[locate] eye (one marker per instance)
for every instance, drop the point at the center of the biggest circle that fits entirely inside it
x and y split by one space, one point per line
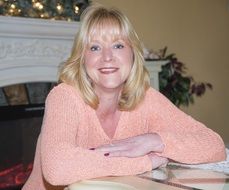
118 46
94 48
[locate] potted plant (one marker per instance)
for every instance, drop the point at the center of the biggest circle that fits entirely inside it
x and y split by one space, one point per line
174 82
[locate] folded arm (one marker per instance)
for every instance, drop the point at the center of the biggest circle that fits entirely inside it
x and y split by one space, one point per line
63 162
186 140
145 144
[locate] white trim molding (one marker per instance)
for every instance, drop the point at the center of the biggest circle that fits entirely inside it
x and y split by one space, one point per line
31 50
154 67
37 28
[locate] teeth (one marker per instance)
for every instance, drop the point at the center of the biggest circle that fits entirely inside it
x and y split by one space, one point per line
107 69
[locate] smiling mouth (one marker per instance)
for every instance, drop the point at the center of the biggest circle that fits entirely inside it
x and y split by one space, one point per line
108 70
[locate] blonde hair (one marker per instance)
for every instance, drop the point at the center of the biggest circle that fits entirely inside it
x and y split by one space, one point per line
73 72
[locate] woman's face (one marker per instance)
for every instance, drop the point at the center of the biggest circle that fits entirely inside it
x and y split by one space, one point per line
108 62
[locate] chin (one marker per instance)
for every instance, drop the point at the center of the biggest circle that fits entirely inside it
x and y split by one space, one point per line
112 86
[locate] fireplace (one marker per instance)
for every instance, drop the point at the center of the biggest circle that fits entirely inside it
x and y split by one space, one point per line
21 111
31 50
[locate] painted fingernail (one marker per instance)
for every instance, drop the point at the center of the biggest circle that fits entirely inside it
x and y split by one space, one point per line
91 148
106 154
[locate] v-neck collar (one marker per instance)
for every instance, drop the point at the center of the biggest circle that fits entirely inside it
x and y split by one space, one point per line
101 128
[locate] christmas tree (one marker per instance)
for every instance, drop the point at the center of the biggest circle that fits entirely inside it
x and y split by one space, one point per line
48 9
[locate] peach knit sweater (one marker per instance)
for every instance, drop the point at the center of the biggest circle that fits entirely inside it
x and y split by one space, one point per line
70 127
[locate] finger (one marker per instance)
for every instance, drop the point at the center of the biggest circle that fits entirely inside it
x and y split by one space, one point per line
116 145
110 148
123 141
122 153
159 161
130 153
164 164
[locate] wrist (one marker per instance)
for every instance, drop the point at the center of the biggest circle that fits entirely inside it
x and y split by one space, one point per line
157 144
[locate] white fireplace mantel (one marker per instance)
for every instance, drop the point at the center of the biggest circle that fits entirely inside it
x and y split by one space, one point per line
31 50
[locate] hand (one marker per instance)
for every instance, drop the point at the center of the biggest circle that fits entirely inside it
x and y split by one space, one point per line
134 146
158 161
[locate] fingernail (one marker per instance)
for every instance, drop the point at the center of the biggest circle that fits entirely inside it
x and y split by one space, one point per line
106 154
91 148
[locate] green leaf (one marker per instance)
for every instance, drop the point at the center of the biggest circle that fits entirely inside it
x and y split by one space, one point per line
176 85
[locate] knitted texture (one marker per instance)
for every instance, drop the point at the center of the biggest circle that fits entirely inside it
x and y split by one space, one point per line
70 127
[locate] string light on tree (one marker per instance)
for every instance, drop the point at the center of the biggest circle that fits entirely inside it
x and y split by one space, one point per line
76 9
12 6
38 5
59 8
69 10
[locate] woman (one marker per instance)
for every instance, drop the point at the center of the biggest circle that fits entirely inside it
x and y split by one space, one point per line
103 119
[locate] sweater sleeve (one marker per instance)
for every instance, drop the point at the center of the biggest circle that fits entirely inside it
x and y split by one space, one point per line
62 161
186 140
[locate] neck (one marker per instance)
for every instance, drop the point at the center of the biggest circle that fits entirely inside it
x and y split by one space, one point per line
108 102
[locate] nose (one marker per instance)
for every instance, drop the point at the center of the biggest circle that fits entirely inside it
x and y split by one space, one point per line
107 54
